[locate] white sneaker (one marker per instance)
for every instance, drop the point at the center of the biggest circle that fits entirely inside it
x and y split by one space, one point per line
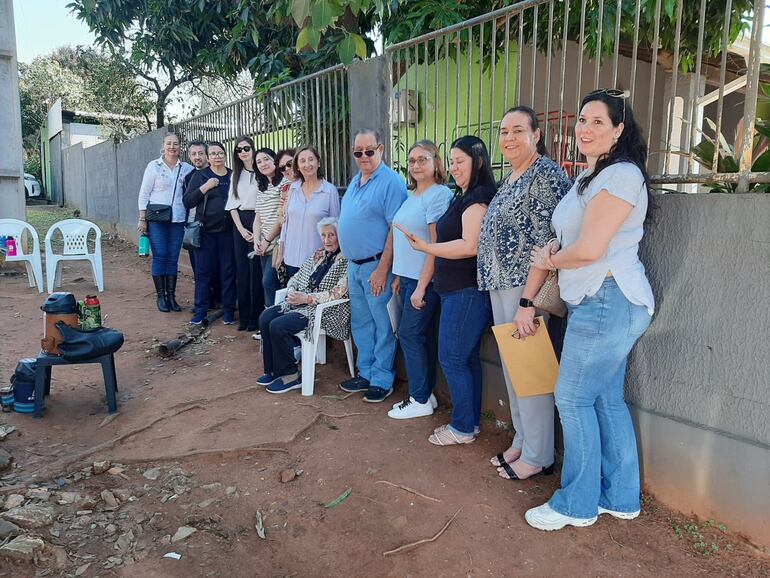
620 515
410 408
546 518
431 399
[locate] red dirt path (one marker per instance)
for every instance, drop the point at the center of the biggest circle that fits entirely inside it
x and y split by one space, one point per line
221 444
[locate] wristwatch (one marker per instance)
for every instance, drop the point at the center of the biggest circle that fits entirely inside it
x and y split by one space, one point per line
526 302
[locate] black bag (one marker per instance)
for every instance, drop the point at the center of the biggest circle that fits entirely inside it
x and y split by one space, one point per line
84 345
192 231
158 213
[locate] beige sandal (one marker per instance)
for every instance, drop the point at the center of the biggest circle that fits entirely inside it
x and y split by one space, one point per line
446 437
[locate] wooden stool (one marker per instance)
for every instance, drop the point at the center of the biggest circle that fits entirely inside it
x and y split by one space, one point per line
43 378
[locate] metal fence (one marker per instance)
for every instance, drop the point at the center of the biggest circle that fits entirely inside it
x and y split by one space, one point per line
310 110
549 53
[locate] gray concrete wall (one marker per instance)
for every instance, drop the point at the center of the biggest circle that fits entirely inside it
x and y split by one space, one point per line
57 170
102 182
11 162
369 88
73 159
133 157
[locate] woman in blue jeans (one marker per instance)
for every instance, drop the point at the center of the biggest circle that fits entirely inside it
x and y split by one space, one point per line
465 311
599 224
163 186
427 202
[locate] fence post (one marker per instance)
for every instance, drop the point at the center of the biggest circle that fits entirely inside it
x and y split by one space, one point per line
746 145
369 89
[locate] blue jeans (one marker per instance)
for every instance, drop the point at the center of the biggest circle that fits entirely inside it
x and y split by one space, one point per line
214 263
270 282
601 466
465 316
418 341
370 325
165 243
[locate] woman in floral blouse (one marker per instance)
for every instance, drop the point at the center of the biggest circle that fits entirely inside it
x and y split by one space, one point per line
322 278
518 219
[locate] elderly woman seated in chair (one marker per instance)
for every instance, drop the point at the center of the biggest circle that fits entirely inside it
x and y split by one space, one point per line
322 278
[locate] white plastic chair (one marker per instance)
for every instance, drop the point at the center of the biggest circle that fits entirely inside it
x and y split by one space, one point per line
75 233
315 351
16 229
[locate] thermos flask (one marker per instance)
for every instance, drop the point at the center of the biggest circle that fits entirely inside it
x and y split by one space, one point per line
144 246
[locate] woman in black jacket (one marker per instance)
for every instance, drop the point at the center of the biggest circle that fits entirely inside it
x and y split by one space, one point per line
207 194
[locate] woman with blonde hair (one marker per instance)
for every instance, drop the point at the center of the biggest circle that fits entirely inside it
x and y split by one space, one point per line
428 200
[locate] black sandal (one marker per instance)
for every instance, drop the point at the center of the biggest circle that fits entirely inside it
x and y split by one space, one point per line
547 471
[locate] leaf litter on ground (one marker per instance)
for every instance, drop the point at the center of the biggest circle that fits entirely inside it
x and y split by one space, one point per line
339 499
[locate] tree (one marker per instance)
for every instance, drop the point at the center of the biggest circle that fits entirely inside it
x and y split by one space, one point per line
84 79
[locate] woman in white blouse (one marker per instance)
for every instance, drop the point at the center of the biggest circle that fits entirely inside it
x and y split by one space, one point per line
599 225
241 203
161 218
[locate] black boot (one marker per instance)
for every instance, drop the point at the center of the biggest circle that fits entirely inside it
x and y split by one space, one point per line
160 289
171 293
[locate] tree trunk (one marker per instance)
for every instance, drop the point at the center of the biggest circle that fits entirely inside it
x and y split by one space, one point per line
160 111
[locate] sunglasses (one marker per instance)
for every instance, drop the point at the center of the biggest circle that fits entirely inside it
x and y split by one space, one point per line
288 165
517 335
614 93
246 149
367 152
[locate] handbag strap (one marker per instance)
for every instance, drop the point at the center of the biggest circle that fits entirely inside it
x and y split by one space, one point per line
203 212
176 182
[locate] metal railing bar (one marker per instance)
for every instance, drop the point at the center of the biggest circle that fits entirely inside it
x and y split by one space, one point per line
635 51
653 69
616 55
674 85
722 72
549 60
599 34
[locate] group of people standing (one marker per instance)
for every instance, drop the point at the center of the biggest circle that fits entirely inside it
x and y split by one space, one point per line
460 261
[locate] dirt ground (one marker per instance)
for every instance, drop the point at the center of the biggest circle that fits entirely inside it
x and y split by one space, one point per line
197 444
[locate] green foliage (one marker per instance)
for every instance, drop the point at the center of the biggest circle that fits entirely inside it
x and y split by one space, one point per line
706 539
85 79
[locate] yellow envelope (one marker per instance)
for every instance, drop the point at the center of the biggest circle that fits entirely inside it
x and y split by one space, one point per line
531 362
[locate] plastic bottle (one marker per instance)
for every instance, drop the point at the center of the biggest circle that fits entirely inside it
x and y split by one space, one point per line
144 246
10 247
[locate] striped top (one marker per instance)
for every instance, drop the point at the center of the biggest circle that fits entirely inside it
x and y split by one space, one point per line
266 205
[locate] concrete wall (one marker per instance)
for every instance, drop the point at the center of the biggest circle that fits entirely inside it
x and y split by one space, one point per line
73 160
56 193
370 88
11 162
103 180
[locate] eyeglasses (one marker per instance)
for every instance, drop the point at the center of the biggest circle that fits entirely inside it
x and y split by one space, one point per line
288 165
614 93
419 160
246 149
367 152
517 335
217 154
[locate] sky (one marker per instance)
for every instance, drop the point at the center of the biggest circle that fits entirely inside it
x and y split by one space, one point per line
43 25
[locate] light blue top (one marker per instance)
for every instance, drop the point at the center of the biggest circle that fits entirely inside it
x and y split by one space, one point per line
624 181
159 183
367 212
417 212
299 233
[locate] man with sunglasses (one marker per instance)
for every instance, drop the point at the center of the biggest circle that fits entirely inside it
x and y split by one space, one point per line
368 207
197 155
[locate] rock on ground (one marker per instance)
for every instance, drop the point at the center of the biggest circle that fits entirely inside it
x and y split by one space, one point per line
13 501
23 548
5 460
8 530
30 516
183 533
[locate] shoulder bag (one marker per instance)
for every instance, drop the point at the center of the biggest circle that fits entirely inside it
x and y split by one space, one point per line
159 213
192 231
548 298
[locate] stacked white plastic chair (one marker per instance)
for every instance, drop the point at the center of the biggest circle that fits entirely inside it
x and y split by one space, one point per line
75 237
16 229
315 350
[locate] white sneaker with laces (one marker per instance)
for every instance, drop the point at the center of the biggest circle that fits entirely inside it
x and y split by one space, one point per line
620 515
431 399
410 408
546 518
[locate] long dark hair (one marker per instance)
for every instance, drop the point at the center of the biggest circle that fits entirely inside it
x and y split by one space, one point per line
534 125
630 146
481 172
238 163
262 181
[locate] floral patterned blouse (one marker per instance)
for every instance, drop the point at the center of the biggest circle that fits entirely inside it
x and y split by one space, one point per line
518 218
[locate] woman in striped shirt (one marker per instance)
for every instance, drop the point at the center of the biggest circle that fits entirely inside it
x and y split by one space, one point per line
267 225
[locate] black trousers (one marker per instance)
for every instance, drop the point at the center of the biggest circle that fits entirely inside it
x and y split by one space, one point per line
251 297
278 330
214 263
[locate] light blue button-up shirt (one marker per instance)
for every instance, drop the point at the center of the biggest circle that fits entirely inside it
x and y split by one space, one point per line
367 212
158 186
299 233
